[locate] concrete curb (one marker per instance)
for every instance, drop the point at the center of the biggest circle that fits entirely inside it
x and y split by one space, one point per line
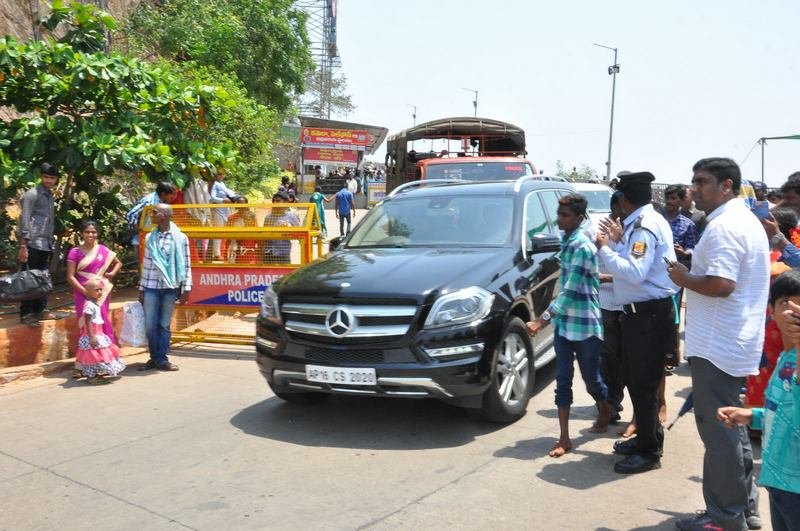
35 370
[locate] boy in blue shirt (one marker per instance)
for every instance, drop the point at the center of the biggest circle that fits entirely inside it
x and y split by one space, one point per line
780 416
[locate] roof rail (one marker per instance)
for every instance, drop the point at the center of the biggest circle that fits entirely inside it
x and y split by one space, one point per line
518 183
422 182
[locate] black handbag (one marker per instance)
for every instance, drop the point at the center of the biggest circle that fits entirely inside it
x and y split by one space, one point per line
25 285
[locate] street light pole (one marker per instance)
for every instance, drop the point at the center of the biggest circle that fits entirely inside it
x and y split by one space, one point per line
414 114
613 70
414 119
475 101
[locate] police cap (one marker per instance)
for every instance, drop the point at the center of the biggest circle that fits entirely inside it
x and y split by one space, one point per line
635 186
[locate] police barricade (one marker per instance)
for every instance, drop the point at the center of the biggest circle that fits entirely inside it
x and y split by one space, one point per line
237 251
376 191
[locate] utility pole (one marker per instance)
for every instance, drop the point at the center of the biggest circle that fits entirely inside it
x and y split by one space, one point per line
414 119
613 70
474 102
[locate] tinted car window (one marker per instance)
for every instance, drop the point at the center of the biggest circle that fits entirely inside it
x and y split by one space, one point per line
535 218
550 201
440 220
599 200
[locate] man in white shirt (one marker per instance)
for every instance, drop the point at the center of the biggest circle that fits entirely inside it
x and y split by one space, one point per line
726 300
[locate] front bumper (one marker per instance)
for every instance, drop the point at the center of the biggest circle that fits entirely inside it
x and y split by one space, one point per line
403 368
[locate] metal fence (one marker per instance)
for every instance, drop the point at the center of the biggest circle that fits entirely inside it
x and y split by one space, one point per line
237 251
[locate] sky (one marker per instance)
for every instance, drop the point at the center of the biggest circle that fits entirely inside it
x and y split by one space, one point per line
697 78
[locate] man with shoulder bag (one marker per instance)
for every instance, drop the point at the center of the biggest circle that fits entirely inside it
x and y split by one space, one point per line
35 237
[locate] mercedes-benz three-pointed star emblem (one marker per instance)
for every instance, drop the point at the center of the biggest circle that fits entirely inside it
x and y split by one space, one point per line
339 321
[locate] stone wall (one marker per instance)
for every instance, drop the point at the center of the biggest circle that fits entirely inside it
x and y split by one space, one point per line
17 16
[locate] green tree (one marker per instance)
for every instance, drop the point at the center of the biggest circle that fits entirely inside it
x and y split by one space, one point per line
326 95
264 43
242 122
95 114
584 173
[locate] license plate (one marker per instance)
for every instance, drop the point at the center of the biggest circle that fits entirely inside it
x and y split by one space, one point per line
340 375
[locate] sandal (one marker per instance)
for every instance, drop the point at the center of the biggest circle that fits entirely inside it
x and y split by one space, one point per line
31 320
47 315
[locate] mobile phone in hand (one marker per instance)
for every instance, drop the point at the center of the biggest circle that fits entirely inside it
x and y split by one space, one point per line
666 261
761 209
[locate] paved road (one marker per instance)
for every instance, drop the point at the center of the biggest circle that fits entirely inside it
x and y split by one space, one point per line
209 447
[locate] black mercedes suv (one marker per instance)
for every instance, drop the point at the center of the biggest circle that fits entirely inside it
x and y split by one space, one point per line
427 297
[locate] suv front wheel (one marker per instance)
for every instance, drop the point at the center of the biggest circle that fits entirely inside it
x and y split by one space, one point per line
512 376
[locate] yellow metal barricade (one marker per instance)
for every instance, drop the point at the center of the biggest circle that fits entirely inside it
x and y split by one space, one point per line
237 251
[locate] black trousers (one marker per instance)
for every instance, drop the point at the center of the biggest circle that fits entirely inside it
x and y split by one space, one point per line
342 218
37 259
645 340
611 367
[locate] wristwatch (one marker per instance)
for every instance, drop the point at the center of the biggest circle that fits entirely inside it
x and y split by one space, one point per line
778 239
545 316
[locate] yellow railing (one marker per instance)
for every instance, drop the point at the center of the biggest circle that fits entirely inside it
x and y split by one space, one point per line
237 251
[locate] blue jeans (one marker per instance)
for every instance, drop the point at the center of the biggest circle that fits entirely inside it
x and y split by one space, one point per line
158 307
784 509
587 352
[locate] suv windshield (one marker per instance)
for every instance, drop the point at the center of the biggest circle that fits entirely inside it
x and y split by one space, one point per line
599 200
453 220
479 171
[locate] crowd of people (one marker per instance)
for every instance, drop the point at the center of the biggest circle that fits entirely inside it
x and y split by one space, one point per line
718 244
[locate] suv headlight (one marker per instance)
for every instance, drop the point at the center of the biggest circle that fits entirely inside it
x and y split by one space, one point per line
269 306
462 306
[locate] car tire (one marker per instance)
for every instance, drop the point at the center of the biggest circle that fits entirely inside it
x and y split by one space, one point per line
298 398
512 376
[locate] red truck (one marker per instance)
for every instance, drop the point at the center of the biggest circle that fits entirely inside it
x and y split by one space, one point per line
478 149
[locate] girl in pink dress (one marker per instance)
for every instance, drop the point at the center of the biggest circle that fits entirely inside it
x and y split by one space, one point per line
97 356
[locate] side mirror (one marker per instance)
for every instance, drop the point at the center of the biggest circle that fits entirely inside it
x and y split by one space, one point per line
334 243
545 243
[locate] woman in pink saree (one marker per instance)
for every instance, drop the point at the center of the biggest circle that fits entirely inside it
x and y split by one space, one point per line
91 260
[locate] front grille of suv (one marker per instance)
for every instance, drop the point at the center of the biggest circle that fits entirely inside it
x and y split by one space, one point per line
347 320
326 355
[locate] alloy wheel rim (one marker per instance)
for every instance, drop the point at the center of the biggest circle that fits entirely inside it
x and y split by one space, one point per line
513 370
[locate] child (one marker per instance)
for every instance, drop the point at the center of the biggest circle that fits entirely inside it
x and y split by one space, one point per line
97 357
575 312
780 416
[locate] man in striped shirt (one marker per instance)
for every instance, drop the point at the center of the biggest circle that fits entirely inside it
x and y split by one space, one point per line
578 322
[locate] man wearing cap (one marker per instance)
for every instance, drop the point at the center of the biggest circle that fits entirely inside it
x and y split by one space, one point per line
633 253
726 295
760 189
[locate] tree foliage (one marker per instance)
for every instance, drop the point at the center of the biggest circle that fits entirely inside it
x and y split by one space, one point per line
584 173
326 95
95 113
264 43
242 122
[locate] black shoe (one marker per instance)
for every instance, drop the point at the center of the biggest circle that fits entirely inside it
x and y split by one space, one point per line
626 447
150 365
634 464
700 522
167 366
615 417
